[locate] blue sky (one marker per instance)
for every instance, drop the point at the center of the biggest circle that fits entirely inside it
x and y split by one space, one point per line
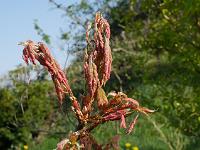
16 24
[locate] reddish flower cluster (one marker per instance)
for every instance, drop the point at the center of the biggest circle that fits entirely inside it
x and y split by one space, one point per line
40 52
97 68
120 106
98 60
102 41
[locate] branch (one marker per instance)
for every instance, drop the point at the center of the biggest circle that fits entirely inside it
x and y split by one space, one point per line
165 139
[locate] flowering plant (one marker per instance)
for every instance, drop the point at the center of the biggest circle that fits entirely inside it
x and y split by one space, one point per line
96 106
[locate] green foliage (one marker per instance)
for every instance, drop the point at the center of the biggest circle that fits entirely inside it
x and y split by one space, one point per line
47 144
25 107
45 37
156 60
165 56
156 57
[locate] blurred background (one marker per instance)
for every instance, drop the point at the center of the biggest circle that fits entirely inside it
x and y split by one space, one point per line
156 60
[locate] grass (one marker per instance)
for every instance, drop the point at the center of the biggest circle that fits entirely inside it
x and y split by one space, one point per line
144 137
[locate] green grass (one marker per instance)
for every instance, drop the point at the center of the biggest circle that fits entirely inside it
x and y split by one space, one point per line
48 144
144 136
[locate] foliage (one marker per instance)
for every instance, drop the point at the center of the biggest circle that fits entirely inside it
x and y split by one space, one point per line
29 111
24 106
163 53
160 55
155 59
160 65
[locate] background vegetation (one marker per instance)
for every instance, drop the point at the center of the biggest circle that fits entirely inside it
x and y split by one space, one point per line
156 59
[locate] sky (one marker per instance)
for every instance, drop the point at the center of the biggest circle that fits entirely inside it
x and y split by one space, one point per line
17 24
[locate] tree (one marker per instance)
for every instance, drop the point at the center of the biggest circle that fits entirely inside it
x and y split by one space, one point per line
25 107
159 42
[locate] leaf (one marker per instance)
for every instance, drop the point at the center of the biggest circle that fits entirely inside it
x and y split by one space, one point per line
101 97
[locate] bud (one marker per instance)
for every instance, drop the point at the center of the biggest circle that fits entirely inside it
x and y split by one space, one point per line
91 74
101 98
132 124
123 122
